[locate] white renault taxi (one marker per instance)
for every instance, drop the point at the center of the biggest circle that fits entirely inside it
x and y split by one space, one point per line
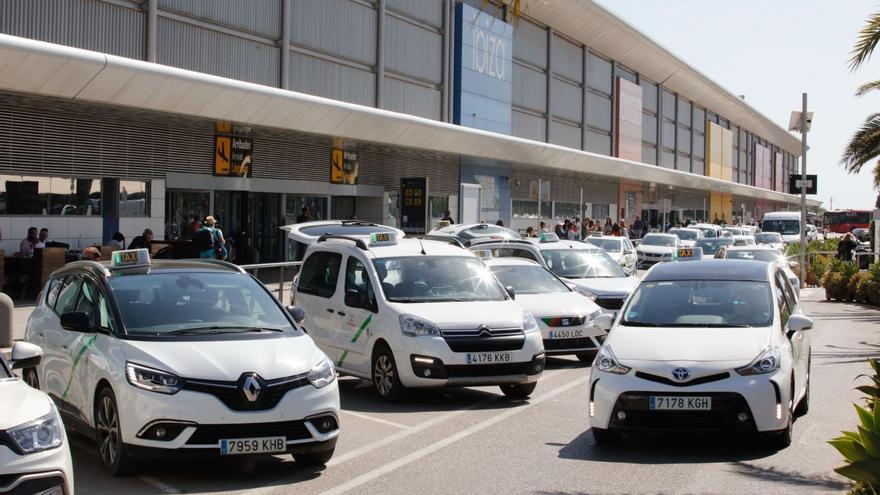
188 358
717 346
565 317
416 313
589 270
34 452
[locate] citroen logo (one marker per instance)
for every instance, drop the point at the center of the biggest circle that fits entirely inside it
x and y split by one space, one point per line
484 331
251 388
680 374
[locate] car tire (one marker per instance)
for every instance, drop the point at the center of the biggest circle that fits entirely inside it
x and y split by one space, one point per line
586 357
314 459
780 440
30 376
803 406
605 437
519 391
108 435
385 377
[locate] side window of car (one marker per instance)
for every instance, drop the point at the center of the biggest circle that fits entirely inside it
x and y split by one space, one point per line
358 289
67 296
93 303
55 285
319 274
781 302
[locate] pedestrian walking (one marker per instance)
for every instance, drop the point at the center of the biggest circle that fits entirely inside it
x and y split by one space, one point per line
209 240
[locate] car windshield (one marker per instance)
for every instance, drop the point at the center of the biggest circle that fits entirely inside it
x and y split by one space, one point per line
428 279
480 231
606 244
658 240
700 303
785 227
755 255
581 263
710 246
709 231
768 238
734 230
182 303
529 279
686 235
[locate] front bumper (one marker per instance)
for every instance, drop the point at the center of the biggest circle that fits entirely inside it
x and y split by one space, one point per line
763 398
36 473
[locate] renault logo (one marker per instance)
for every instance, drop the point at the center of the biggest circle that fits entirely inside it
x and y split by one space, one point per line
251 388
484 331
680 374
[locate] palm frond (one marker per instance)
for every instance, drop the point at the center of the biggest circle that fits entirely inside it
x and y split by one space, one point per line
869 36
868 87
864 146
877 177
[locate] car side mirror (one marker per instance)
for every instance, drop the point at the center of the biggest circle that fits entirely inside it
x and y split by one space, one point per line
627 251
603 322
798 323
25 355
297 313
76 321
510 291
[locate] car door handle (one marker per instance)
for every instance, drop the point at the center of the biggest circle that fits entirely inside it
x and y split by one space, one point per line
330 310
341 313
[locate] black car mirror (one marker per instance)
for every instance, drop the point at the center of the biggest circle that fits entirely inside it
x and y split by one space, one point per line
353 299
297 313
76 321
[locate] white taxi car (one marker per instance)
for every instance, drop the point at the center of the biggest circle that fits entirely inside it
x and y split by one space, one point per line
468 233
620 249
304 234
188 358
687 236
763 253
34 452
416 313
589 270
656 248
565 317
717 346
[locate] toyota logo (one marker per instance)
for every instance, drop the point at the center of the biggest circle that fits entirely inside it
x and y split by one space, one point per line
680 374
251 388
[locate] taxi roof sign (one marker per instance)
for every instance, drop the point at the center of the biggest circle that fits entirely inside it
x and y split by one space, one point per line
383 238
549 237
131 258
688 254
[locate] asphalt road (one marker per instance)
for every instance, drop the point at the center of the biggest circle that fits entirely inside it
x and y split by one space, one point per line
476 441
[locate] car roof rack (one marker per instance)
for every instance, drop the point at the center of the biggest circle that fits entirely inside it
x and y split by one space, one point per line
357 242
442 238
359 222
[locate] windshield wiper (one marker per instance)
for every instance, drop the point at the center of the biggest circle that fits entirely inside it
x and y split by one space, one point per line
705 325
218 329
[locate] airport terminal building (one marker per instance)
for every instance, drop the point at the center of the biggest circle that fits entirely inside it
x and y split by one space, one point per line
117 115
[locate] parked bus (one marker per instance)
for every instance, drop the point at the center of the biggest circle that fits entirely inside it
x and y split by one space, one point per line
843 221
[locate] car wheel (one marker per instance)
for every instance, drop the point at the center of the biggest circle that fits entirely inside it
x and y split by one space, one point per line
586 357
605 437
779 440
803 407
519 391
386 380
30 377
108 434
314 458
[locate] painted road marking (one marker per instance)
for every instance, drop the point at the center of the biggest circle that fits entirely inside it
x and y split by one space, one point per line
378 420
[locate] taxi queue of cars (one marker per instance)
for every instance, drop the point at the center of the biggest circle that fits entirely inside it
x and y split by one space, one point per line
133 348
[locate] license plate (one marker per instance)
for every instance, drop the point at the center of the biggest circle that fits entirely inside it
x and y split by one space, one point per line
664 403
566 334
488 357
262 445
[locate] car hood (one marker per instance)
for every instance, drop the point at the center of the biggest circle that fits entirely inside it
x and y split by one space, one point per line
631 344
552 305
462 315
19 403
607 286
656 249
270 357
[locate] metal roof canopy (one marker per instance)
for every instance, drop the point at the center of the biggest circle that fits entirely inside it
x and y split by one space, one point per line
53 70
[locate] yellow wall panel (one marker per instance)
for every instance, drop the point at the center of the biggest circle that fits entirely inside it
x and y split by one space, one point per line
726 154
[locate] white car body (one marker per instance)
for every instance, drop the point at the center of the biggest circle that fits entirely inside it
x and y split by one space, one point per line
302 235
454 340
44 467
228 387
777 244
702 366
565 317
620 249
695 234
709 229
744 240
651 254
791 218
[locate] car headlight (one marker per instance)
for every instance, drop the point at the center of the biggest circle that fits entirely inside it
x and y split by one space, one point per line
322 374
413 326
607 362
766 362
40 434
152 379
584 292
529 323
592 316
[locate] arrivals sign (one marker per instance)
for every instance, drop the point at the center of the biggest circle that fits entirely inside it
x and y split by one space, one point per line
233 151
343 166
414 205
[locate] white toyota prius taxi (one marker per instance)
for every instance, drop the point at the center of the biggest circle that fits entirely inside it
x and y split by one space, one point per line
416 313
189 358
34 452
708 346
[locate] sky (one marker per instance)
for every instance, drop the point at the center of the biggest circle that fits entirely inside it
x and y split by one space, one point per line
776 50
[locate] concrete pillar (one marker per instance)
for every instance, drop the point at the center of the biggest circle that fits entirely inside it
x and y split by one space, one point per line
6 315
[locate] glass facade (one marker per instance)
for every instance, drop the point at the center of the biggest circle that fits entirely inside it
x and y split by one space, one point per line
28 195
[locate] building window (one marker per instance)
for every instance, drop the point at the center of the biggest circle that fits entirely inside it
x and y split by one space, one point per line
437 205
568 211
317 206
134 198
524 208
22 195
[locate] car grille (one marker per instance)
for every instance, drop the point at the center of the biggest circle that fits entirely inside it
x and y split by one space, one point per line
610 302
232 394
484 339
696 381
211 434
476 370
564 321
722 417
563 344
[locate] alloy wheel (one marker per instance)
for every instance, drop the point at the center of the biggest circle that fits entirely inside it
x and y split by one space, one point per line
108 431
383 375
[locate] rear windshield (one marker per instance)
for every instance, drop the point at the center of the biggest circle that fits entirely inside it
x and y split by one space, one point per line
768 238
606 244
710 246
700 303
686 235
658 240
756 255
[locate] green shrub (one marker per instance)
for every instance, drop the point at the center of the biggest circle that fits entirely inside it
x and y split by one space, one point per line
861 449
837 280
816 269
873 284
858 286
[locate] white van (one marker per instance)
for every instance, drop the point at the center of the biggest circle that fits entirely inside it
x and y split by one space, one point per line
416 313
786 223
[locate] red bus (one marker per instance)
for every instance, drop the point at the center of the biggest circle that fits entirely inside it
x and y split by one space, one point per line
843 221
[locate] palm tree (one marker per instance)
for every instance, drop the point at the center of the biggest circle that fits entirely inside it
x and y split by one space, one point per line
865 143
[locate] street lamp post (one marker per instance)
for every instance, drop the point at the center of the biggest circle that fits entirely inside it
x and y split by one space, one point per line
801 122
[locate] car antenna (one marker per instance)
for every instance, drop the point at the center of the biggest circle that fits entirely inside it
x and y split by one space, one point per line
422 246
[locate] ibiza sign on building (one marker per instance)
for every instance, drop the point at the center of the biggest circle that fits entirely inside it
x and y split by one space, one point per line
483 70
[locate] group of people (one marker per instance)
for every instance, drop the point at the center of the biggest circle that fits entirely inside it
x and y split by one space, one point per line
34 240
578 229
